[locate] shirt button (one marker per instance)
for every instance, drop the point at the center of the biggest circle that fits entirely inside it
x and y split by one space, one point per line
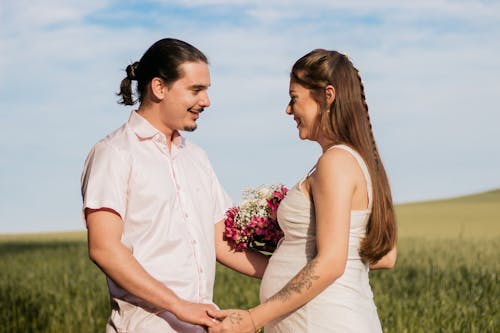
186 215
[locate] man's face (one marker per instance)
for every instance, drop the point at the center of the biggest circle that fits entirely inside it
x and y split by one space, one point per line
187 97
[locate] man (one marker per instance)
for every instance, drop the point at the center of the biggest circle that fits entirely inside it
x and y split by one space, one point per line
151 201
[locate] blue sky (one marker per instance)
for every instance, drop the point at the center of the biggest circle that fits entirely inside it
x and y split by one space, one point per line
431 72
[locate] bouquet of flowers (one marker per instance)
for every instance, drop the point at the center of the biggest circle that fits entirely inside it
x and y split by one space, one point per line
253 224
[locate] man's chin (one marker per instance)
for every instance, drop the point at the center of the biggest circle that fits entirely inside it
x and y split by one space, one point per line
190 128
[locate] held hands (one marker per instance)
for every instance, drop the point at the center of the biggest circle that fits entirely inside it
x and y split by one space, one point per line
195 313
232 321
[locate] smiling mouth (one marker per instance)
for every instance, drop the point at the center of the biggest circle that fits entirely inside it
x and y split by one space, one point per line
195 111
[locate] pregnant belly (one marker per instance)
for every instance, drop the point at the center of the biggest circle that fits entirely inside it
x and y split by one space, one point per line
279 271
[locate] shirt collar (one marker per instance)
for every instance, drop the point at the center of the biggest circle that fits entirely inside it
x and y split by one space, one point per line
145 131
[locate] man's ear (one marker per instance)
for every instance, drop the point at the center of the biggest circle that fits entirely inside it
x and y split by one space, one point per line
330 94
158 88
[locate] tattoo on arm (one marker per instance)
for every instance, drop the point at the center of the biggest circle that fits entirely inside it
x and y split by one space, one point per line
301 281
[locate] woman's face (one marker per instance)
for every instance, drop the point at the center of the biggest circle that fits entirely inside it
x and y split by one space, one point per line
305 111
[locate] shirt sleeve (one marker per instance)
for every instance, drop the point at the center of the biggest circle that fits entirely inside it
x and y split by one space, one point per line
104 180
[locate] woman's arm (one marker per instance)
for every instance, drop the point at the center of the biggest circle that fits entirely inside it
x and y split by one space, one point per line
250 263
332 186
387 261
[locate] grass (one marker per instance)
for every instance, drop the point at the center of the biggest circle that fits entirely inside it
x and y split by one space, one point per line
50 287
469 217
44 237
446 278
440 286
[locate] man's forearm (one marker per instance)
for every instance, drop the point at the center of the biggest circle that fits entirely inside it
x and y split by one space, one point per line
121 266
249 263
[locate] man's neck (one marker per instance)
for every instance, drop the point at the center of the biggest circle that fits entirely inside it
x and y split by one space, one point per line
152 117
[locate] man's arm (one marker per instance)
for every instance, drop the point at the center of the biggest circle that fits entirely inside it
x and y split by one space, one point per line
250 263
116 261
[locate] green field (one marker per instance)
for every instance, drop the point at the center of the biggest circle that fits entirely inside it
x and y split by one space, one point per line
446 278
469 217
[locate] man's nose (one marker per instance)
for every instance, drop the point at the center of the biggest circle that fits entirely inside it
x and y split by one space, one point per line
205 100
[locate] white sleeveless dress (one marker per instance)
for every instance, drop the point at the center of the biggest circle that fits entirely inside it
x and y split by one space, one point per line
344 306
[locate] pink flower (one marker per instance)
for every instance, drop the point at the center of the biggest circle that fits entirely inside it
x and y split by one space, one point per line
247 229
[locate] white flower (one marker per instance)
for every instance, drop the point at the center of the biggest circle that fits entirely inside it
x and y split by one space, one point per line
265 192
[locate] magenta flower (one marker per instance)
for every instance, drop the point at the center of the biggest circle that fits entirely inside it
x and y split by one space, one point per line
253 225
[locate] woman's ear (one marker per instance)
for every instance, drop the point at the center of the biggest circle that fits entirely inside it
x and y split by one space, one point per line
330 94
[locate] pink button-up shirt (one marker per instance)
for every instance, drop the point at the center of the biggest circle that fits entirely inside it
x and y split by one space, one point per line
169 202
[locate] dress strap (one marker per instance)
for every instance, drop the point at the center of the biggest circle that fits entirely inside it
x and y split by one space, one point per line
311 171
307 175
363 167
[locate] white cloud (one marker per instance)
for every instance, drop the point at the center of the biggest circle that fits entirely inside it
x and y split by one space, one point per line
471 10
21 15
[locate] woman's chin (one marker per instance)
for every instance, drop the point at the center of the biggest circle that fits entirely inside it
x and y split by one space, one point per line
302 134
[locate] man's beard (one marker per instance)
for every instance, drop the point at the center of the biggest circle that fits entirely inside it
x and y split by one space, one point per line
190 128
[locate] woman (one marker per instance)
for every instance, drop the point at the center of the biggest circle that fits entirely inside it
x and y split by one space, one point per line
338 220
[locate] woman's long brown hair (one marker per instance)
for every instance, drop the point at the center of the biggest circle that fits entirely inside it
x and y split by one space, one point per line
348 122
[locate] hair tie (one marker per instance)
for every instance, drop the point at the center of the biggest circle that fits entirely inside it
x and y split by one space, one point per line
131 71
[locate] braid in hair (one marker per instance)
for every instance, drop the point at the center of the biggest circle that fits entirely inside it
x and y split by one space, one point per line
363 98
381 227
126 85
